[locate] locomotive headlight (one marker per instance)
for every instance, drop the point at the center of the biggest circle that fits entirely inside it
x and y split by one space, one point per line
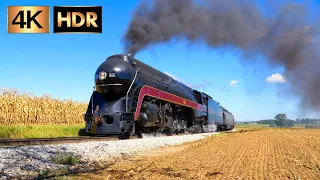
102 75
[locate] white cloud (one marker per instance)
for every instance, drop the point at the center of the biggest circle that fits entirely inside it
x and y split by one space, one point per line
234 83
276 78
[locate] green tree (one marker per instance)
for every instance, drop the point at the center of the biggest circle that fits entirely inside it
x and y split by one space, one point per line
290 123
271 123
281 120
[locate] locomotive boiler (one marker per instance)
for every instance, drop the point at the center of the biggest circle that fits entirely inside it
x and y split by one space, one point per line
130 97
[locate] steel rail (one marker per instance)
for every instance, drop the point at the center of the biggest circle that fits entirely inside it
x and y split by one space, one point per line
62 140
59 140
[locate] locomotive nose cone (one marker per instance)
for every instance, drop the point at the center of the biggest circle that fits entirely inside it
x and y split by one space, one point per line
113 77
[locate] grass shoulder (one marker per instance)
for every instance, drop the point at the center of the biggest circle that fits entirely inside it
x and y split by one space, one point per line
39 131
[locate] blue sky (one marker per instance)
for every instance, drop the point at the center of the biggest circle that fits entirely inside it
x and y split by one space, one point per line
63 65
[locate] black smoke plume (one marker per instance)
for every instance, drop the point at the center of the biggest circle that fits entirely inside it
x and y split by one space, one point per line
283 33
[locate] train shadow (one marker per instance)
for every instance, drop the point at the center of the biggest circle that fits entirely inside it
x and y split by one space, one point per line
82 132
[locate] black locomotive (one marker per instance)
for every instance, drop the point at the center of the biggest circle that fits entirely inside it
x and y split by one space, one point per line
131 97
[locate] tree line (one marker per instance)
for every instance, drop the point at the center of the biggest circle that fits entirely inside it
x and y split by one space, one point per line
281 120
298 121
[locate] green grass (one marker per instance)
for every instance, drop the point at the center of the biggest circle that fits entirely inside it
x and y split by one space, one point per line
299 125
313 126
252 126
66 159
40 131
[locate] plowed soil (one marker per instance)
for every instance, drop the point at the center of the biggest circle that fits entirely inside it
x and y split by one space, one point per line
258 154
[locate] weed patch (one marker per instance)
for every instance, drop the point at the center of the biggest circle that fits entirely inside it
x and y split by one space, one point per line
66 159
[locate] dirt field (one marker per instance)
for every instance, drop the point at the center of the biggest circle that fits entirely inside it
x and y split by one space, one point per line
258 154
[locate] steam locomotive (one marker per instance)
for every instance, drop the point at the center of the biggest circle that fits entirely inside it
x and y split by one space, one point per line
131 98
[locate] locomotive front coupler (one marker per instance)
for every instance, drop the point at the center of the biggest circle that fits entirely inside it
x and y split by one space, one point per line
112 124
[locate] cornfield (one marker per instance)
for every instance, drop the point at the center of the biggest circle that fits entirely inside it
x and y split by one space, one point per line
28 109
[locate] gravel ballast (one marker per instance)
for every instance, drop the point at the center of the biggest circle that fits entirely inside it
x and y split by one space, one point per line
33 161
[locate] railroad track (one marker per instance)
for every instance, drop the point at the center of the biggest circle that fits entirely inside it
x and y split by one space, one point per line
43 141
61 140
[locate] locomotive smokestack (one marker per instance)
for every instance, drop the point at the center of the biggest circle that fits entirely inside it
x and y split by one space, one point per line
285 36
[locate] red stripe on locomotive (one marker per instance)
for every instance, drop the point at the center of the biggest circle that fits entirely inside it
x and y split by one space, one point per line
156 93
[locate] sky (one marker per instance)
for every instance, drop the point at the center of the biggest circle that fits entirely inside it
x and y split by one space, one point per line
63 65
